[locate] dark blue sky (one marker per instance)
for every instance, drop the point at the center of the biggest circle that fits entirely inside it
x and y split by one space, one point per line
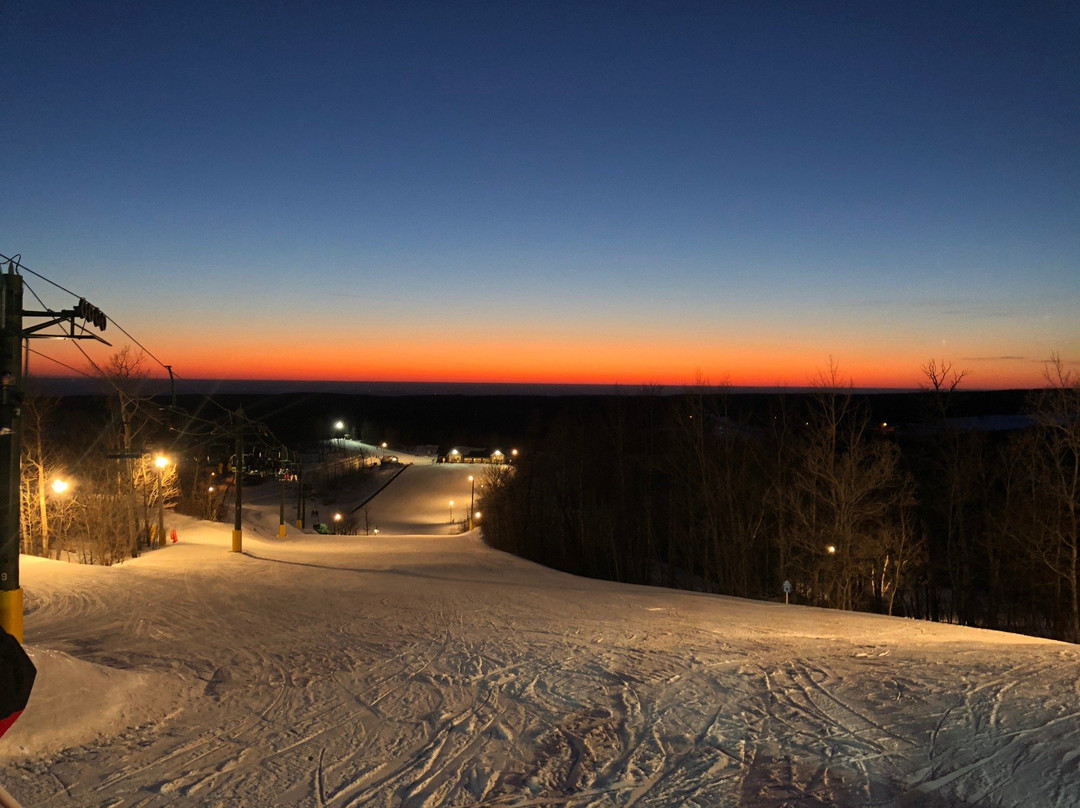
632 191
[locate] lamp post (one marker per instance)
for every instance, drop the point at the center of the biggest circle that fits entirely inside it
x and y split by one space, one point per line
337 523
60 487
161 462
451 511
472 499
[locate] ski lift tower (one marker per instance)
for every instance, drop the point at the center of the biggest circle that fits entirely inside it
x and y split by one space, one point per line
12 335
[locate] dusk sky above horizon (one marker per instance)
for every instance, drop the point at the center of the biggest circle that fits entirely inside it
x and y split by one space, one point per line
552 192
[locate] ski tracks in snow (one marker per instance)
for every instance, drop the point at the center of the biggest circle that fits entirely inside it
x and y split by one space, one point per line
504 691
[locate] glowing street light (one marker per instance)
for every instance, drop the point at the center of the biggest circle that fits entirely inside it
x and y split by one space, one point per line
161 462
451 510
60 488
472 499
831 549
337 522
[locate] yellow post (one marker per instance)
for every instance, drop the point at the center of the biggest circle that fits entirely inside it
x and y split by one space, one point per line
11 612
281 531
238 541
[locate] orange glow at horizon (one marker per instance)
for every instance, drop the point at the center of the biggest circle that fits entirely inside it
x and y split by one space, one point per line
630 363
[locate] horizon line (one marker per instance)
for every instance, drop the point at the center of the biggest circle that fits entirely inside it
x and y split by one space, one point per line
74 385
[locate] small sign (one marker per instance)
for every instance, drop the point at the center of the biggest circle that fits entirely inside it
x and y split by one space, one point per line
787 587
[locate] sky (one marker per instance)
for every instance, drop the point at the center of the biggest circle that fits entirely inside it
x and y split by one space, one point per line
551 192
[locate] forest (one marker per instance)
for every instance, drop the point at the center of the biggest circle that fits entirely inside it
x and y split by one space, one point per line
925 512
939 518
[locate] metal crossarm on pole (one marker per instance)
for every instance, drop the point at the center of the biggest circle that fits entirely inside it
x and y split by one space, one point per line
12 334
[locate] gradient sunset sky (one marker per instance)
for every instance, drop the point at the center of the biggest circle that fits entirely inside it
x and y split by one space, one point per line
573 192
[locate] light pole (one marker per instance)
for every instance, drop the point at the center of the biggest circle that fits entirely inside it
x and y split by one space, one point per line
472 500
451 511
60 488
161 462
337 523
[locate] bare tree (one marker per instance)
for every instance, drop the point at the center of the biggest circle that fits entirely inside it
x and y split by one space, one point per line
41 464
124 375
942 381
901 547
1056 410
843 495
954 490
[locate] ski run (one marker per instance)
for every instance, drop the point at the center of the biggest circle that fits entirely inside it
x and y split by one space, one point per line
418 667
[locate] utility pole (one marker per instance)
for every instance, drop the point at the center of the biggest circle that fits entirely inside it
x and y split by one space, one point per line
472 500
127 456
172 386
281 514
11 336
299 492
238 474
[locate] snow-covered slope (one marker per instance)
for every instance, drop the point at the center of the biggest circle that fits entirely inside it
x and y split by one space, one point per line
430 670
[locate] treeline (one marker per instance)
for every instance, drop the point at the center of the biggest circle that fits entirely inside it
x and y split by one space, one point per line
91 488
930 519
99 473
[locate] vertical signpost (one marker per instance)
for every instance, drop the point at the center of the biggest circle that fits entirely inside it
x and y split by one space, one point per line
11 596
281 514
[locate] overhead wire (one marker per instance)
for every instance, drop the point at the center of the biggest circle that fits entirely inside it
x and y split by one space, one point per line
244 419
53 359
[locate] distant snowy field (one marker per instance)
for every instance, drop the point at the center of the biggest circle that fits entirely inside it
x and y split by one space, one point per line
420 668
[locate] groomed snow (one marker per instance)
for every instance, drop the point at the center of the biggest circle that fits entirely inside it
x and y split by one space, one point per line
422 668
